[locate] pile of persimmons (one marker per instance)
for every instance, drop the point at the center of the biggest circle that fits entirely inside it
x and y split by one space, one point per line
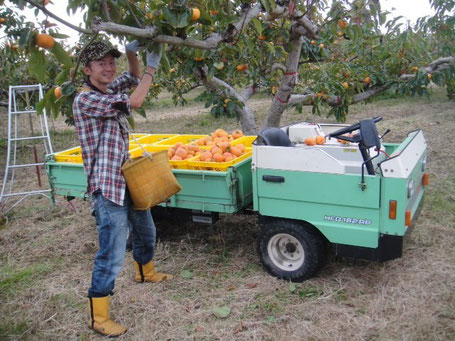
215 147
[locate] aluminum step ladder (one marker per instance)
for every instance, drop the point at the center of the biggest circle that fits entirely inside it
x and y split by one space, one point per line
22 107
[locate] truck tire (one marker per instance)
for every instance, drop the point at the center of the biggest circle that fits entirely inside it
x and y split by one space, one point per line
290 250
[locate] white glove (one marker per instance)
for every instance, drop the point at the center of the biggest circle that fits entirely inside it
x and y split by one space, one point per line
135 46
154 55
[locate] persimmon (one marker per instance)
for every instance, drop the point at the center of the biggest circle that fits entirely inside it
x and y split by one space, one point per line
241 147
262 37
367 80
429 76
221 132
193 147
237 133
45 41
218 157
2 20
58 92
195 14
216 150
213 12
320 139
346 85
310 141
225 146
205 156
182 152
236 151
342 23
176 158
228 158
242 67
170 153
313 42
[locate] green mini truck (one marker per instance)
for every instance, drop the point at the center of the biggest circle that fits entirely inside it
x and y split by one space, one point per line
353 193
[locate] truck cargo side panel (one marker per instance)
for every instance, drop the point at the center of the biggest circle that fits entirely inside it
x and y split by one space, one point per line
334 203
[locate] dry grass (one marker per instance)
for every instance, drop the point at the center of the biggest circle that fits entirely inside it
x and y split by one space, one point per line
46 258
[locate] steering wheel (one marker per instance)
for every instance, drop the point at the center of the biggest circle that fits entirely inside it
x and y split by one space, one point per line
339 134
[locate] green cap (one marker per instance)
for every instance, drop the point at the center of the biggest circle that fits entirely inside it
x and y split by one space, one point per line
96 51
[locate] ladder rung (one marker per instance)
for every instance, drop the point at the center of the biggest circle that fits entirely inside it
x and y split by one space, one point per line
28 87
23 112
29 138
27 165
24 193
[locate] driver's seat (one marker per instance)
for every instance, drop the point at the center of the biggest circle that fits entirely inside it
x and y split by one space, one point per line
273 136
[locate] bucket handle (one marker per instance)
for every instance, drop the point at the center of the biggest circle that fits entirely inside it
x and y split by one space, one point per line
146 152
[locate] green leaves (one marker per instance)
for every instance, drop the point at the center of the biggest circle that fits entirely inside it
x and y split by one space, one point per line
187 274
221 312
36 65
177 19
257 25
61 55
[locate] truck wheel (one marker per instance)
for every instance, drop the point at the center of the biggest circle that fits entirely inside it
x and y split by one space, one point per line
290 251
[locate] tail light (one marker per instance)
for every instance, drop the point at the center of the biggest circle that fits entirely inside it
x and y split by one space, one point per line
407 218
392 209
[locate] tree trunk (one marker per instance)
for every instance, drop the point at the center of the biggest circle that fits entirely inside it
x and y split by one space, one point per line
247 121
280 101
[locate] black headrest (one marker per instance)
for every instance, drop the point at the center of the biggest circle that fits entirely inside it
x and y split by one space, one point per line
275 137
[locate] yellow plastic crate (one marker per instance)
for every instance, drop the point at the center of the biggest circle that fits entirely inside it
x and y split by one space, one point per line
73 155
185 139
154 138
137 136
193 163
247 141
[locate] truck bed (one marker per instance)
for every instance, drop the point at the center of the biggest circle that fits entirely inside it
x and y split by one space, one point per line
215 191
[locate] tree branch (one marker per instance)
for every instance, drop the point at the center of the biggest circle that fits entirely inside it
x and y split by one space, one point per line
106 11
437 65
248 92
45 11
211 42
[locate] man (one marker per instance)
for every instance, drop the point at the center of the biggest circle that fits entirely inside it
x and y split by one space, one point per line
100 111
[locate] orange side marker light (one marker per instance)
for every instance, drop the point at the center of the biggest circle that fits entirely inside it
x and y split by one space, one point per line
392 209
407 218
426 179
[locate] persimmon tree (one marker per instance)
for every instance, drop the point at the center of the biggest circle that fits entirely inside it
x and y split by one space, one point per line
324 54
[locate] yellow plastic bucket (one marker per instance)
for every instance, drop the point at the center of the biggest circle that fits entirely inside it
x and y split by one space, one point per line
150 180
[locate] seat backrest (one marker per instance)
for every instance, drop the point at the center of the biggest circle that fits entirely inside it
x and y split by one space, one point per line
275 137
369 134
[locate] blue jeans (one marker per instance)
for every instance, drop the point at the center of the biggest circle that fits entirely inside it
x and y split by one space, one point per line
112 225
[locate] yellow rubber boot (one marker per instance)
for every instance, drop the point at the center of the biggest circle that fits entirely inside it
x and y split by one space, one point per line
146 273
99 318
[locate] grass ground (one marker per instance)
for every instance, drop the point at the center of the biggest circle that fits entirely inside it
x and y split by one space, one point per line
46 255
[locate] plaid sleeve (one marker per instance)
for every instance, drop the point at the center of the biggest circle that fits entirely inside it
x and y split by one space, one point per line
124 83
105 106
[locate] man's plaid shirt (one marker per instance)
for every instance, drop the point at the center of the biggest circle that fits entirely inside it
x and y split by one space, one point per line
104 142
